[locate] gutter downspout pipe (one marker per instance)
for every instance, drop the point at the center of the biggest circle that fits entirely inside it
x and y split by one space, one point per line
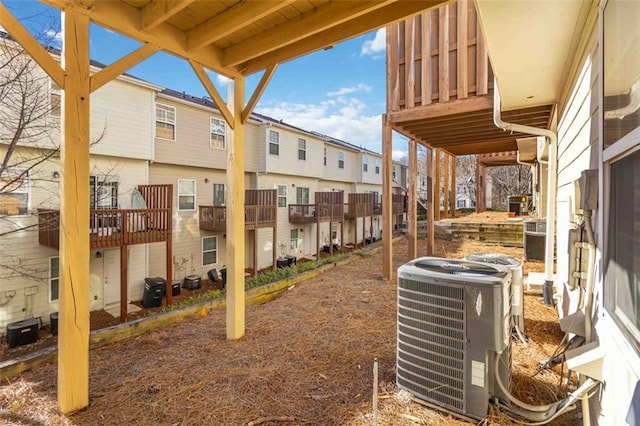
551 187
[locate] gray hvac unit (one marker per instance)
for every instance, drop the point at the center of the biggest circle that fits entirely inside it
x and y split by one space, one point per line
453 320
517 281
534 239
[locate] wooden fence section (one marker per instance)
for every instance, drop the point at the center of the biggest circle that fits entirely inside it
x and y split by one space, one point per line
328 207
260 211
437 56
359 205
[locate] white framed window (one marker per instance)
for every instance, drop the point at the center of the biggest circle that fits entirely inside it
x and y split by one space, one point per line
341 160
165 122
302 195
461 204
219 194
282 195
54 278
302 149
55 99
274 142
377 166
294 239
186 195
325 156
218 133
365 163
14 192
209 251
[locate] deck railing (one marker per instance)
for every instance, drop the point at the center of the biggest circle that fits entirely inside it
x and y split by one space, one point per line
311 213
214 218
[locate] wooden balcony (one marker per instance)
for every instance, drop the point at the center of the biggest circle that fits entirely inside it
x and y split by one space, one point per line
359 205
118 227
260 211
329 207
397 204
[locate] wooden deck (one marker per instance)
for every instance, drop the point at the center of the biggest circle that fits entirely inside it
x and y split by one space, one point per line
328 207
118 227
260 211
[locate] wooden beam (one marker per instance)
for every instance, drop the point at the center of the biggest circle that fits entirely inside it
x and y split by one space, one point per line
443 57
257 93
39 54
482 64
436 193
124 18
393 89
463 77
387 204
430 191
124 274
442 110
338 33
454 186
224 24
157 12
446 196
235 219
117 68
425 61
321 19
412 204
73 304
215 96
409 63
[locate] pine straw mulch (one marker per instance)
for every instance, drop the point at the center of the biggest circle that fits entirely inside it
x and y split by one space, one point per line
306 358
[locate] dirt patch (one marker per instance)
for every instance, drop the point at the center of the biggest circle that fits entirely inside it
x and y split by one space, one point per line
306 358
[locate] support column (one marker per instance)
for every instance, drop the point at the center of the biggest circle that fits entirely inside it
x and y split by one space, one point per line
235 219
412 204
387 212
430 191
445 196
454 186
124 284
481 192
436 192
73 304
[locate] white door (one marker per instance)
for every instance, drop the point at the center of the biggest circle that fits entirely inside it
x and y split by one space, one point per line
306 241
112 276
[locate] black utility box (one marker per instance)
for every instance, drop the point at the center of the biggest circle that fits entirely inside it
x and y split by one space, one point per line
291 260
223 274
53 323
154 288
175 288
192 282
22 332
282 262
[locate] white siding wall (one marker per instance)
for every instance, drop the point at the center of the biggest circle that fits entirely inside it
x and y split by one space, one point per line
352 164
287 161
370 176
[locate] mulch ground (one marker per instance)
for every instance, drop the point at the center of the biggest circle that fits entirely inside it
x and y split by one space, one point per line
306 359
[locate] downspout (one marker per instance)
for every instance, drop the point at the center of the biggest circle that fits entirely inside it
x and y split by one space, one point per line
551 187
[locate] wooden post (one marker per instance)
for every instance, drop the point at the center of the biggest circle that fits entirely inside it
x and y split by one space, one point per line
235 219
430 229
443 68
169 265
454 186
73 325
274 245
255 252
342 234
445 196
387 206
124 274
436 189
317 232
481 194
463 77
412 204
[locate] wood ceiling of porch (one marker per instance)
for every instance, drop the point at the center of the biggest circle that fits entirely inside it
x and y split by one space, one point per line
466 126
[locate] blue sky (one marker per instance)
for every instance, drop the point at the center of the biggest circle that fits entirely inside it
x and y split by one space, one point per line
339 92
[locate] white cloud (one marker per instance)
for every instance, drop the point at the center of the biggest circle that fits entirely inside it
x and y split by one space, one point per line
53 38
349 90
377 46
398 155
222 80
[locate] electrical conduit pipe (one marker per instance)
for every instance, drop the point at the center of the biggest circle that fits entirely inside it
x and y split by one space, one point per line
551 186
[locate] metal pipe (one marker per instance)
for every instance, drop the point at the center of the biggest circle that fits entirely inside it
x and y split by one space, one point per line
551 187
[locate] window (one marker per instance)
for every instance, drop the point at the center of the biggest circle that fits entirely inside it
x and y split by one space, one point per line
218 133
622 273
54 280
103 192
165 122
282 195
341 160
325 156
274 142
14 192
393 172
302 195
302 149
209 251
621 65
460 204
365 163
377 166
186 195
294 239
219 196
55 99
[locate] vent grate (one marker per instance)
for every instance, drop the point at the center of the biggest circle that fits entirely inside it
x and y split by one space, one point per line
431 335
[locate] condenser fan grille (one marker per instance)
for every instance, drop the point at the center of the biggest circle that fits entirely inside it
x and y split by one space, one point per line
456 267
431 331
